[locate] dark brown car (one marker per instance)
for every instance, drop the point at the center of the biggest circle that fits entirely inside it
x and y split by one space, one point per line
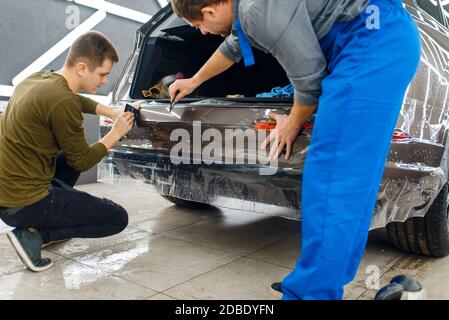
168 149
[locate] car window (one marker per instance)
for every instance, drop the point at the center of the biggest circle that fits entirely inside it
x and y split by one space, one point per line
432 8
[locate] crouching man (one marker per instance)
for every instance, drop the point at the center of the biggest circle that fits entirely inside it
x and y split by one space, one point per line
43 149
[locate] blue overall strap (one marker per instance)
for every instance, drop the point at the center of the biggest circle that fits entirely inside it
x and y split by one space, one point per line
245 47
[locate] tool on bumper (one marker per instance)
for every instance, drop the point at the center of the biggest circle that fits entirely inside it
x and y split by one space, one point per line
136 112
172 104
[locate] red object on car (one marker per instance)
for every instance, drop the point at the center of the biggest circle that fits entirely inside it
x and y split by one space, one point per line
400 135
265 125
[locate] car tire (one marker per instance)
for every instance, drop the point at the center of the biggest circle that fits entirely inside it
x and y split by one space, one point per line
186 203
429 235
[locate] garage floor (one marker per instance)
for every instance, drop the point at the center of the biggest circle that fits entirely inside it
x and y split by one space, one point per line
173 253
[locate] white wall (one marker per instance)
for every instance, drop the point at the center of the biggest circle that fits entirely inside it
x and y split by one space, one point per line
30 28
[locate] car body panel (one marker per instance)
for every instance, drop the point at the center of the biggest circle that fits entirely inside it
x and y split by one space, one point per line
415 171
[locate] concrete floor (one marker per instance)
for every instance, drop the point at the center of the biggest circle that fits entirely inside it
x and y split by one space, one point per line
173 253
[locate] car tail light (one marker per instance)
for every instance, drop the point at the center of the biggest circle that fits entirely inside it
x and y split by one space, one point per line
270 124
400 135
308 125
265 126
105 122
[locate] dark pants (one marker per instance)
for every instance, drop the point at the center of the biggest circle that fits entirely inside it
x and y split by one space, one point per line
68 213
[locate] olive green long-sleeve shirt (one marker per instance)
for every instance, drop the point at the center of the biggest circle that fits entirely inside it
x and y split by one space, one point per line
43 117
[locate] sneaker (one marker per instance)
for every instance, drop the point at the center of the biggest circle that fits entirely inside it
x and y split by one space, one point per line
276 289
50 243
28 243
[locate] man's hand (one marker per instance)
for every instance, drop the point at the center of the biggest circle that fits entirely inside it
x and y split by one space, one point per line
217 64
287 129
117 111
123 123
181 88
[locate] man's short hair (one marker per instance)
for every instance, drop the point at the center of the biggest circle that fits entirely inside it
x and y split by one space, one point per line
191 9
93 47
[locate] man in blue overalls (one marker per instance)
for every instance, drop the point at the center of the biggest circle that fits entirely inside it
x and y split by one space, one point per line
358 75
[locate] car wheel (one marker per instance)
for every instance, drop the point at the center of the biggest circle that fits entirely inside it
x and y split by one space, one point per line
186 203
428 235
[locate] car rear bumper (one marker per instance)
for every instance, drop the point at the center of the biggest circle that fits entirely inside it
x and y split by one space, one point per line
406 191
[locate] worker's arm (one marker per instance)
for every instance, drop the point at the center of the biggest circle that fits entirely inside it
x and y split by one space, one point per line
287 129
67 127
217 64
109 112
90 106
288 34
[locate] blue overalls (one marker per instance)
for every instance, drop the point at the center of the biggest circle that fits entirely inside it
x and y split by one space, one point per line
369 72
